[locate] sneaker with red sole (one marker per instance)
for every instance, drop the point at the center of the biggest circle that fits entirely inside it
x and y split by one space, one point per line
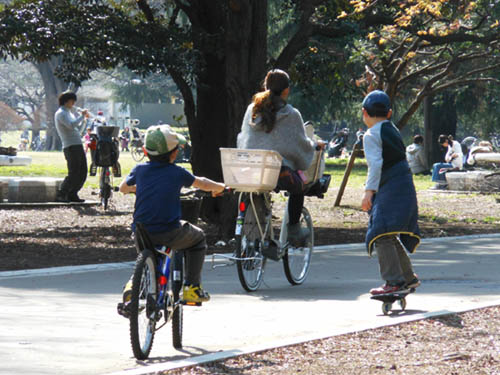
415 283
386 289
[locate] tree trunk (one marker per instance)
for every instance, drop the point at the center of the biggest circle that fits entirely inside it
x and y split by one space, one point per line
53 86
233 39
440 117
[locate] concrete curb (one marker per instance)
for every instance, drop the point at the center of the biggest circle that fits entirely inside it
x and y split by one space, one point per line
223 355
52 271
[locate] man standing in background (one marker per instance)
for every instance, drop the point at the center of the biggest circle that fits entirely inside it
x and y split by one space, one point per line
68 124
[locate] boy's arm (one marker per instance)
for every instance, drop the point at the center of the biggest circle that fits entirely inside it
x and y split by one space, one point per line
208 185
373 152
126 188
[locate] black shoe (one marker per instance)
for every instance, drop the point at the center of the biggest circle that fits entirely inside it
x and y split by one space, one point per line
76 199
62 197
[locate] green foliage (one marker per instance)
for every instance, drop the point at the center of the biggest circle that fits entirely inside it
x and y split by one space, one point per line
91 35
130 89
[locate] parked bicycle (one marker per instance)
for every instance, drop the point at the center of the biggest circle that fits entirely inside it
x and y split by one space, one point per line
136 142
156 287
106 159
253 174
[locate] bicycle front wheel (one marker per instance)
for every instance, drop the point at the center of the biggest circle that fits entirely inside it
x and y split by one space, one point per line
177 317
249 248
143 305
297 260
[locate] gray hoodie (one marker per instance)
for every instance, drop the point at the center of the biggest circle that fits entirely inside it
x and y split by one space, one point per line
416 158
288 137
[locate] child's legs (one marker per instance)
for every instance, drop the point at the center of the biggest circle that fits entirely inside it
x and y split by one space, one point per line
191 239
405 263
388 259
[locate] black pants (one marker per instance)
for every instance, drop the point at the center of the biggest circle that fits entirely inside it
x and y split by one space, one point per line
77 170
290 180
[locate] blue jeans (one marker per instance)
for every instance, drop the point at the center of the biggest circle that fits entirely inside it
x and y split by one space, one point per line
439 177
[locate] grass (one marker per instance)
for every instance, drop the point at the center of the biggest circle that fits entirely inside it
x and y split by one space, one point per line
10 138
336 167
53 164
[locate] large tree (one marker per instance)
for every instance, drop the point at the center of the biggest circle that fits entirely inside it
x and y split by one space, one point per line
21 88
429 47
217 55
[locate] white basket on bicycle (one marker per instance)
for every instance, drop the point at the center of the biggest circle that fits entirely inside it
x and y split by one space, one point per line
250 170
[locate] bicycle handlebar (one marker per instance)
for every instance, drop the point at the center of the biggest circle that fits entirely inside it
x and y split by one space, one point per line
201 193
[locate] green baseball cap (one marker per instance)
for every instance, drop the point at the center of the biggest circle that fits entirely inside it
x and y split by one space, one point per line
161 139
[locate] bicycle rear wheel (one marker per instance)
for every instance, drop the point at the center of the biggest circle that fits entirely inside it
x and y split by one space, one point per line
296 261
104 187
251 269
143 305
137 153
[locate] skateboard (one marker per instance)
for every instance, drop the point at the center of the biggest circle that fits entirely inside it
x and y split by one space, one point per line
389 298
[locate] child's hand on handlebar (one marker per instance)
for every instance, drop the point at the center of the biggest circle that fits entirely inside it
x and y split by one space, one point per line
219 189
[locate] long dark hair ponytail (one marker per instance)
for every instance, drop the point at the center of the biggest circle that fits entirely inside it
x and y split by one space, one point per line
268 102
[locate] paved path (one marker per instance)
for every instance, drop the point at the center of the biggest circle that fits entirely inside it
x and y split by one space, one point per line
67 324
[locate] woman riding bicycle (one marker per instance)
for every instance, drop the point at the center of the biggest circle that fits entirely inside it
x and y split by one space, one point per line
272 124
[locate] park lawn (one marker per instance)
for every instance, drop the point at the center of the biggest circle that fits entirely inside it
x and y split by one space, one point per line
53 164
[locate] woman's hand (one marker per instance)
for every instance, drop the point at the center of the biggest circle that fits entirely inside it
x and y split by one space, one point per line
320 145
366 203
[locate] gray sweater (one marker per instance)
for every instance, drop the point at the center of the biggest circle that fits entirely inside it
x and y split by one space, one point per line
67 125
288 137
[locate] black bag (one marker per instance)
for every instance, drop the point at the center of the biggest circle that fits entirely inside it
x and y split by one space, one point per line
9 151
106 153
319 188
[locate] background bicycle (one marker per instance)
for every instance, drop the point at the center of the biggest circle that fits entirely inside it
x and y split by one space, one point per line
106 159
253 174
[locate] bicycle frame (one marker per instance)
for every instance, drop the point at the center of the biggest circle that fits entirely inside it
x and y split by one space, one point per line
169 263
264 232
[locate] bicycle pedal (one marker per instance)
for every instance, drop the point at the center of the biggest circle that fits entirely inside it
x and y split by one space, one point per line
122 309
272 251
187 303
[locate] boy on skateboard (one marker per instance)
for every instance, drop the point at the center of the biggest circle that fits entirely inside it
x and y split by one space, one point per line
389 198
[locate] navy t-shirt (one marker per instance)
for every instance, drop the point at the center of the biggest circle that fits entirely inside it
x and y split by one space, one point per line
158 203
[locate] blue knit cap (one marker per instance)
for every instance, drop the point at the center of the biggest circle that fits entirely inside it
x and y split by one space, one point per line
377 101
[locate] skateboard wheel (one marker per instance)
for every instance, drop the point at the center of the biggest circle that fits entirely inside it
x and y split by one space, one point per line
402 303
386 307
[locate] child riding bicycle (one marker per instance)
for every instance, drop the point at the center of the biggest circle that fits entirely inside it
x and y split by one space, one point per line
157 185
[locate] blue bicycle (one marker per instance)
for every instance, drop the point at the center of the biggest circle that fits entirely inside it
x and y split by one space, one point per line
156 289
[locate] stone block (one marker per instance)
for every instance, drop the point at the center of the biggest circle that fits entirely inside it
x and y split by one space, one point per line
473 181
33 189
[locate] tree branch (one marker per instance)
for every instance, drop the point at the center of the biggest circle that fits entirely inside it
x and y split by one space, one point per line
299 40
146 9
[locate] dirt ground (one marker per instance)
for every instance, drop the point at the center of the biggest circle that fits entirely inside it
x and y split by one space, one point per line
49 237
457 344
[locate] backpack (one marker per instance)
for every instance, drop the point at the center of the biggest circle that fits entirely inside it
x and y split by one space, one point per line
107 151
